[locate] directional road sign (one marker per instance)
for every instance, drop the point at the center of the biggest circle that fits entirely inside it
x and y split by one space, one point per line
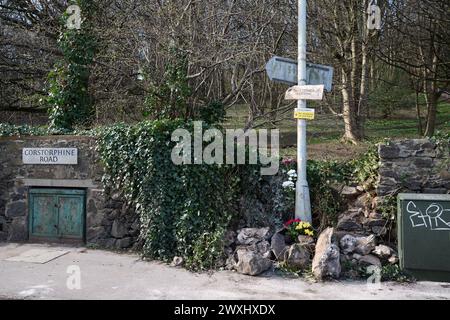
284 70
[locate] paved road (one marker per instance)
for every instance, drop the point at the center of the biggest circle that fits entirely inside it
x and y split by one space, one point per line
107 275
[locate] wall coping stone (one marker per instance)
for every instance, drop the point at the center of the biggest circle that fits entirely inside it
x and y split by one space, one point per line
60 183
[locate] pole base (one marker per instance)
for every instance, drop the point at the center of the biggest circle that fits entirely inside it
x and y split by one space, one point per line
303 204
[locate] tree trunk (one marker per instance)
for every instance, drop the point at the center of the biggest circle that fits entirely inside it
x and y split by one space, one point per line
372 86
350 115
432 101
419 116
433 95
362 103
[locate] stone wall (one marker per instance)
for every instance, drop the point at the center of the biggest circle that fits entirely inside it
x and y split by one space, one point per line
416 166
109 222
365 235
406 166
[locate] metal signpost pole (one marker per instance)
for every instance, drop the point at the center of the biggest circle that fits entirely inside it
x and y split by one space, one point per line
302 203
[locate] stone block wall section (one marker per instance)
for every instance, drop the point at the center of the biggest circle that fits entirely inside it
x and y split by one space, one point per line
109 222
416 166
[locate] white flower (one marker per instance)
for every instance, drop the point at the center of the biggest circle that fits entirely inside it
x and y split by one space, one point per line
288 185
292 174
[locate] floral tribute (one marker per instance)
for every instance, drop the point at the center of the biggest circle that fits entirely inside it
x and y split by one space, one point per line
297 227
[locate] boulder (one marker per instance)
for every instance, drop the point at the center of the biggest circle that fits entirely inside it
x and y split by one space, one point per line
394 259
230 263
326 260
305 240
357 257
114 214
350 192
251 263
379 231
18 230
95 233
249 236
177 262
388 151
376 223
348 244
348 224
94 218
118 229
278 245
124 243
362 201
16 209
108 243
298 257
370 260
338 235
264 249
365 245
383 252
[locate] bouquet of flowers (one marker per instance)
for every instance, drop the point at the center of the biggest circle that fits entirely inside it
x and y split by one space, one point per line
297 227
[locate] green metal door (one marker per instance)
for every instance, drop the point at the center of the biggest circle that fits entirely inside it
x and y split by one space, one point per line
43 215
57 214
71 209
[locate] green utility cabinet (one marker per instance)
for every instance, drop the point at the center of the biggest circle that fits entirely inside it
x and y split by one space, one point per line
57 215
424 235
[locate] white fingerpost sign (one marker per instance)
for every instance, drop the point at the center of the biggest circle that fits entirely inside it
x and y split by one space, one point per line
305 93
66 156
284 70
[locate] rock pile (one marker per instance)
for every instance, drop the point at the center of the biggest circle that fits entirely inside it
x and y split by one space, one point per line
339 254
251 253
358 231
362 216
341 251
357 251
254 251
257 250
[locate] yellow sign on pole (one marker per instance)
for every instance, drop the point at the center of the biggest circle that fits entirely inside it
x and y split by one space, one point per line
305 114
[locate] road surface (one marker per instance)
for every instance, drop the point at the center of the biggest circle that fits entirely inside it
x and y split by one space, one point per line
108 275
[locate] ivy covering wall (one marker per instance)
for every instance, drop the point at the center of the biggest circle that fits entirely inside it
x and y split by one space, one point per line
184 210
